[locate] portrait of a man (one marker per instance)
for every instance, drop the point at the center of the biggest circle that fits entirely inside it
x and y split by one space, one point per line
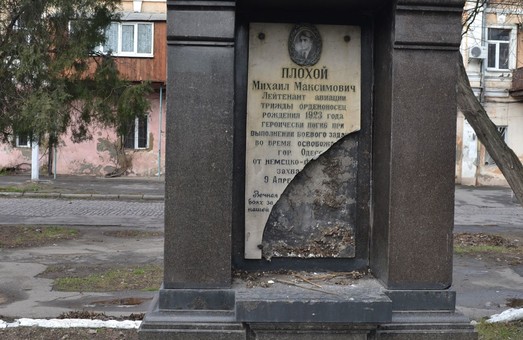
305 45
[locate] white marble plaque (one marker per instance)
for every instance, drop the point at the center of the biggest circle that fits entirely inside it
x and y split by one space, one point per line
303 96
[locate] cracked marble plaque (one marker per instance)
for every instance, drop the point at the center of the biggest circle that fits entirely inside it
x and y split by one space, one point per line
304 90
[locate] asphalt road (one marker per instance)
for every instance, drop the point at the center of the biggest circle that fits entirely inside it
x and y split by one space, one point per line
484 206
474 207
81 212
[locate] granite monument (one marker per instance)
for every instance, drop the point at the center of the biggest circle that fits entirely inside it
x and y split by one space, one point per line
309 175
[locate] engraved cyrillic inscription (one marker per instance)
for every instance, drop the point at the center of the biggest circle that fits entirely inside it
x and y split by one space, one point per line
296 110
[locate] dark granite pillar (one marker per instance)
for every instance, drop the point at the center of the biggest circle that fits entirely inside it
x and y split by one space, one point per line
414 144
196 301
198 203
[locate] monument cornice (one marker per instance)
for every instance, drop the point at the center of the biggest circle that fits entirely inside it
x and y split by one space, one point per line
433 3
193 23
418 25
197 4
315 4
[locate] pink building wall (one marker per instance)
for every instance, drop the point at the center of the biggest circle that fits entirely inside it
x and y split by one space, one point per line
98 156
12 157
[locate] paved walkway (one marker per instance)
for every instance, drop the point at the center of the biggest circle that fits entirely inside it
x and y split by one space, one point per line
132 201
145 214
487 206
126 188
82 200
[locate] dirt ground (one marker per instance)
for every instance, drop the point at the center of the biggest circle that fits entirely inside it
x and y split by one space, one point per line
58 250
102 276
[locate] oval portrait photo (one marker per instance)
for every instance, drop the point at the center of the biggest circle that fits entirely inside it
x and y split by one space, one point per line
305 45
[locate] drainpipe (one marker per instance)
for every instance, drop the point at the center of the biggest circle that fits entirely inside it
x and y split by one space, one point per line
160 135
482 87
35 174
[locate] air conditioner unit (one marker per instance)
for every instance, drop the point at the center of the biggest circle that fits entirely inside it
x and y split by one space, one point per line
478 52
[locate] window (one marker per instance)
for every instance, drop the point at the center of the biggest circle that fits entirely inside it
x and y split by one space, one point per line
23 141
137 137
503 132
128 39
499 48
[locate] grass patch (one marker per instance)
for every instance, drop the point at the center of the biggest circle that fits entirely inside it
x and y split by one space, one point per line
470 243
500 331
11 189
484 249
34 236
25 187
147 278
133 233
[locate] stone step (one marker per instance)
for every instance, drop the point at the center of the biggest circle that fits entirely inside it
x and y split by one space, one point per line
362 302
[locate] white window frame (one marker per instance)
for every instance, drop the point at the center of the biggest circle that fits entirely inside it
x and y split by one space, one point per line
27 145
512 48
137 135
134 53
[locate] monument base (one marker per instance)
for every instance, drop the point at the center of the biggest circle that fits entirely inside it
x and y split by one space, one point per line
279 310
177 324
432 325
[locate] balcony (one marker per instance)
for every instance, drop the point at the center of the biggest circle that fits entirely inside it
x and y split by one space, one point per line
516 90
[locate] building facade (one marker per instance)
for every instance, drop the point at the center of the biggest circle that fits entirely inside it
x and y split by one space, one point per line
492 49
138 41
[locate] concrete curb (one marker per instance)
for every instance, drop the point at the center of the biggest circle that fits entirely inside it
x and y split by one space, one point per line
71 323
123 197
41 194
11 194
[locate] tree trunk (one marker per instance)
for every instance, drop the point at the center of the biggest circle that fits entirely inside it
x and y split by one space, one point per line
50 160
53 141
488 134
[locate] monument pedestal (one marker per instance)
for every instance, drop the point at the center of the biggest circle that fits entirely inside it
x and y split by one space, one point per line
319 134
357 311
